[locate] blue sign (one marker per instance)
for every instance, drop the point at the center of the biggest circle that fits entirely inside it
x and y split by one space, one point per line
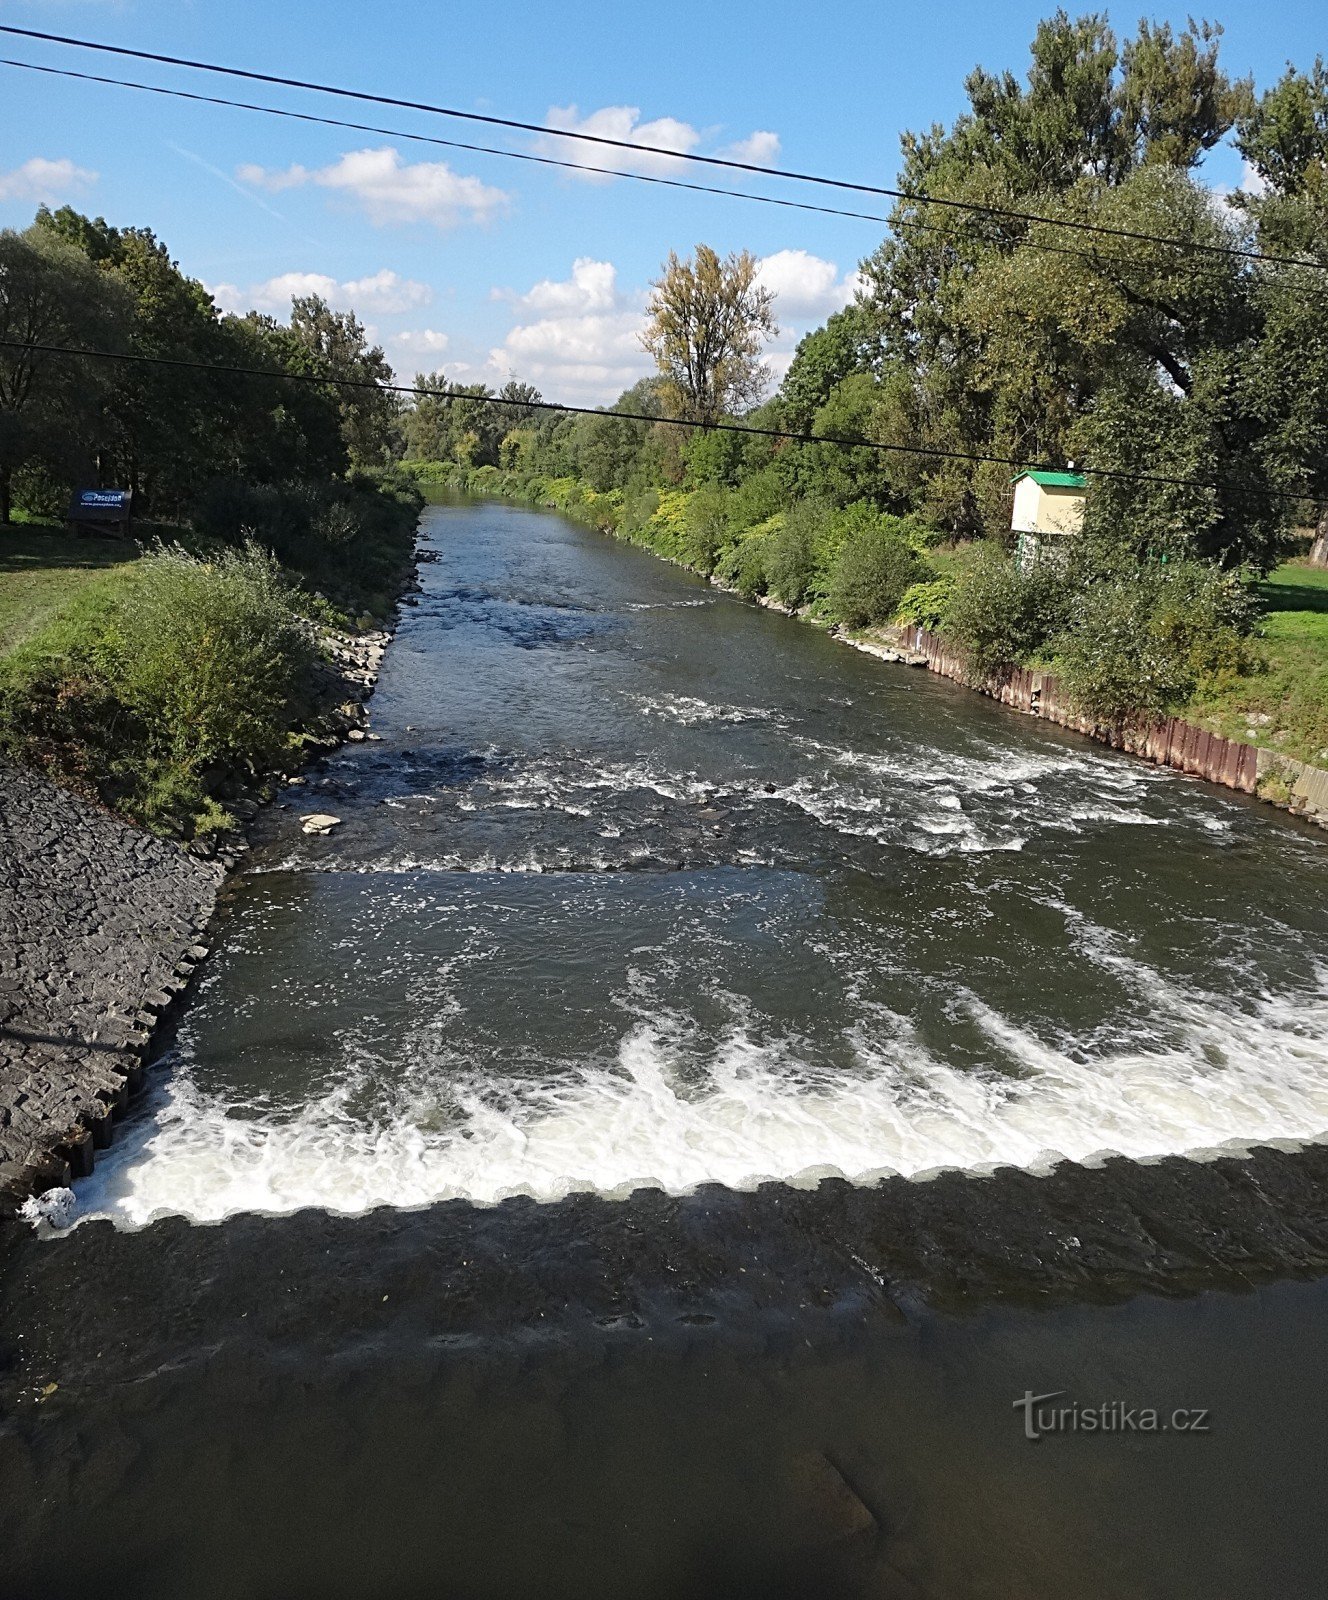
109 499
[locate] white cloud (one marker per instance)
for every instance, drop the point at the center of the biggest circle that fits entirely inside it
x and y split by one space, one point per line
805 286
46 182
759 149
621 123
593 286
390 189
418 348
383 293
387 293
1250 184
624 124
581 340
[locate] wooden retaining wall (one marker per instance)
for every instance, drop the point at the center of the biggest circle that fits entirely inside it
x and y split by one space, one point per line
1171 741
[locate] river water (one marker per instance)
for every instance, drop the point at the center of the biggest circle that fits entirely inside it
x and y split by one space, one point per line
488 1232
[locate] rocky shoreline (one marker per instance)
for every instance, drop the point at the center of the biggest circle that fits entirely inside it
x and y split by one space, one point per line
102 927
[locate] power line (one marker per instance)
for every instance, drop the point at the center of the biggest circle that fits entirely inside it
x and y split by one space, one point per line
727 162
1095 256
424 391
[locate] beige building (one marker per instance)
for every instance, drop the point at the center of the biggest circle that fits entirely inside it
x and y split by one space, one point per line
1048 507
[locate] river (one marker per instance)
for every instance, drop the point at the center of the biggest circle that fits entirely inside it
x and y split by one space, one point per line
541 1195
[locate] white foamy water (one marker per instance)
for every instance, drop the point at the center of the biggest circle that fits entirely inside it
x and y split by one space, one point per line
1230 1078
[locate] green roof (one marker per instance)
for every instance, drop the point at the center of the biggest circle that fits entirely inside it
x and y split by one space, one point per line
1054 480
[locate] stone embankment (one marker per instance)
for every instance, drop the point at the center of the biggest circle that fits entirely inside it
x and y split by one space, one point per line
101 928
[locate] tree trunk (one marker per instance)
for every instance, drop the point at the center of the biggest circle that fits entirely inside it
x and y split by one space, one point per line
1319 549
6 506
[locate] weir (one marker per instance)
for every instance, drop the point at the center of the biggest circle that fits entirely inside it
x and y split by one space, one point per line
641 887
693 1032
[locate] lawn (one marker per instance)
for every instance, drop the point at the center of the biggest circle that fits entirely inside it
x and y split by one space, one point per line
42 569
1284 707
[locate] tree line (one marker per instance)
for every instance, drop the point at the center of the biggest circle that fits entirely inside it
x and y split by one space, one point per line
985 333
1191 373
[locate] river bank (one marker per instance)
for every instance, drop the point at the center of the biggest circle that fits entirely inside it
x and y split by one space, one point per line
102 928
1276 777
655 1140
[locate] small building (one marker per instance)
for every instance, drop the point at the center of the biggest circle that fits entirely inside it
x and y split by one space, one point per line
1048 507
102 511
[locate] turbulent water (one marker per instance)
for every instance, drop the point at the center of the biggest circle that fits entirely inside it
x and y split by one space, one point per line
641 885
641 899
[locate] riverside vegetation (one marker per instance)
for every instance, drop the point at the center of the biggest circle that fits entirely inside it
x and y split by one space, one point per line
1194 381
1197 378
160 677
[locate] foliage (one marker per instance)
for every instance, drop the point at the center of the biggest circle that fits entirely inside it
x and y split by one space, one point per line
825 357
706 319
50 294
1141 642
705 527
874 567
790 557
208 655
338 347
927 604
138 695
1002 615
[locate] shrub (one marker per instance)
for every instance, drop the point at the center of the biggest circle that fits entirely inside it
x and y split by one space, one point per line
705 529
791 553
1143 641
743 566
195 668
1001 615
209 655
927 605
874 566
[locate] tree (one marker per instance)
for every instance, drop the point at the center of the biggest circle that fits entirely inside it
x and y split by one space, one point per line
1284 138
339 348
50 294
1005 347
707 320
824 358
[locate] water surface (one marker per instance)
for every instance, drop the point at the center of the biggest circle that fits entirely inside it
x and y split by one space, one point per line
512 1218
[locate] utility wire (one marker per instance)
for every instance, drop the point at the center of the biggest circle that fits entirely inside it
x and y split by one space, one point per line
424 391
726 162
1093 255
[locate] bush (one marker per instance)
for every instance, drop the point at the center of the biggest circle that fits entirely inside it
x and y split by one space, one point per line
195 668
705 528
209 655
350 538
743 566
1001 615
1142 642
791 553
875 565
927 605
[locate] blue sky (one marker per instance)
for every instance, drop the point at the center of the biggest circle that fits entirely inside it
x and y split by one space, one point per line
484 267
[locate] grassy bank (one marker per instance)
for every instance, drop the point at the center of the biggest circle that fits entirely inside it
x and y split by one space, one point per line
43 570
1283 704
164 681
1250 662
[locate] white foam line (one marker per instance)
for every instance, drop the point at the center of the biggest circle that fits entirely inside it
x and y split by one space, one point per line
1229 1080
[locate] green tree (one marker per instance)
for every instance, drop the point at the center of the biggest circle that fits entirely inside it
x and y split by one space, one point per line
824 358
706 321
1007 347
337 346
51 295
